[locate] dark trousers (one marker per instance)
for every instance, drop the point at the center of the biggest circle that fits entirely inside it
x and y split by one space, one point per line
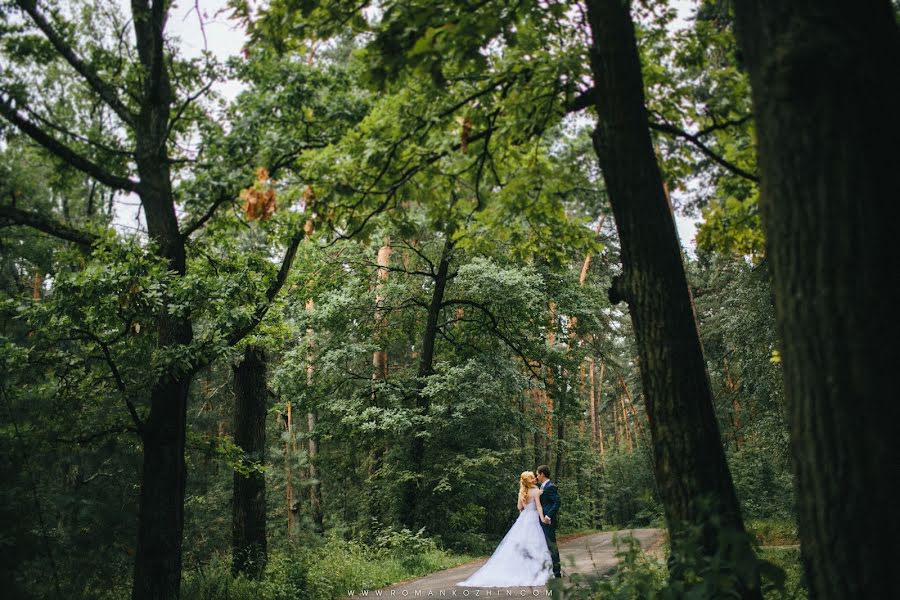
550 534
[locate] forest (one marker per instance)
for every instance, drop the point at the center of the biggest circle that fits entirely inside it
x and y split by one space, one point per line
293 291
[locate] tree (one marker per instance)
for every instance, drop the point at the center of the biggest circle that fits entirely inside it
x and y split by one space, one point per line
248 552
689 459
440 276
820 76
145 106
450 45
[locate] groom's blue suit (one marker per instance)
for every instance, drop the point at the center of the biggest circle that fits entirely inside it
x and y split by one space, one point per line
550 505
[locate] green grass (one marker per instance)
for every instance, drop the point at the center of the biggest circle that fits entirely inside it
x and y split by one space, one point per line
770 532
329 569
645 577
324 572
789 560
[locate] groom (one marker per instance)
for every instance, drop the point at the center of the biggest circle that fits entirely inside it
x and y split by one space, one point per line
550 504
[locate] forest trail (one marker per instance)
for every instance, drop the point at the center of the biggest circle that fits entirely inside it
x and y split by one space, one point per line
594 553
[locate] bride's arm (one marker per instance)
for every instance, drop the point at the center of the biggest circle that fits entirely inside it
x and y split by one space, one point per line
520 505
537 500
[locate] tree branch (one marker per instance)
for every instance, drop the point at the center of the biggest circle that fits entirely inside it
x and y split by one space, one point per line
585 99
495 328
723 125
11 114
695 140
238 334
85 439
120 383
103 89
420 253
589 97
10 215
276 166
185 104
59 128
199 222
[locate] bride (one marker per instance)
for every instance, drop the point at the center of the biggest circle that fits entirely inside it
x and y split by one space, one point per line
522 558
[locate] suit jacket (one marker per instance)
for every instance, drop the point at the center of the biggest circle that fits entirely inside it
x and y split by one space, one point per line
550 503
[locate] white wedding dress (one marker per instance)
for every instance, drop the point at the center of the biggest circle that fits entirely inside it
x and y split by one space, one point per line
521 559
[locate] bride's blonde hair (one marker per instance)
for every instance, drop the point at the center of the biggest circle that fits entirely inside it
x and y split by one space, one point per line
527 480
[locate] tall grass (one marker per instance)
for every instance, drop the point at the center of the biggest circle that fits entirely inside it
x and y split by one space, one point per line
323 571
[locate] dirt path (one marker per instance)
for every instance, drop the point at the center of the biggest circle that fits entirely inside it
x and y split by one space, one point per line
586 554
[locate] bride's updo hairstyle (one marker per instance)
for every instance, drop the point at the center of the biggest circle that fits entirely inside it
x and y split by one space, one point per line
527 481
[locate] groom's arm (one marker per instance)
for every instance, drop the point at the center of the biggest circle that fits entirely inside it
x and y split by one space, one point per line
551 504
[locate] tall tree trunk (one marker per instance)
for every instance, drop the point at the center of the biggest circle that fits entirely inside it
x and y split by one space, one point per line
599 396
248 525
376 507
288 424
573 336
593 401
615 424
379 358
537 403
315 488
412 489
690 462
157 565
731 388
157 568
629 402
547 393
582 375
822 80
560 435
626 425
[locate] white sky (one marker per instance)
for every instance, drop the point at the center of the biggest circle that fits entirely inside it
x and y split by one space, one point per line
225 38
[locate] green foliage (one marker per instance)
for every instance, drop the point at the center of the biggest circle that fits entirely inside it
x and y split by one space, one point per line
642 576
764 482
636 577
442 129
773 532
788 560
737 321
695 83
628 491
226 450
403 543
327 570
733 226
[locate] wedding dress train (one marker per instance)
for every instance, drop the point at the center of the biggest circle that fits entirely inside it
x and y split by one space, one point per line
521 559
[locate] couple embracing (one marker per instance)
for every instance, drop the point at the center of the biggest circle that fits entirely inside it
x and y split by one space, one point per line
528 554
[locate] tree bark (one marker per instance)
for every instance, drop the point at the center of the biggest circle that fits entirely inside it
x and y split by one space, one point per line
731 388
248 525
822 80
412 489
615 412
157 569
594 429
636 430
315 488
375 507
690 463
537 403
157 566
625 425
288 424
599 395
